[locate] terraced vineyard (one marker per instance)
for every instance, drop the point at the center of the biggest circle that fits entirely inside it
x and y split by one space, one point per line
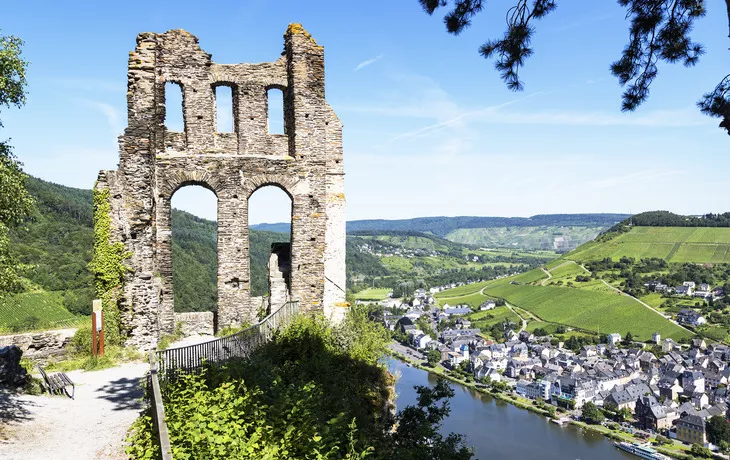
673 244
593 308
41 310
586 309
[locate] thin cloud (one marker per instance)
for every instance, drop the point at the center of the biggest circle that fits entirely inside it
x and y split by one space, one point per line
366 63
634 177
474 114
89 84
657 118
112 115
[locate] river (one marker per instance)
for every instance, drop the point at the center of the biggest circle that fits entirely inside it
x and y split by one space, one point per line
498 430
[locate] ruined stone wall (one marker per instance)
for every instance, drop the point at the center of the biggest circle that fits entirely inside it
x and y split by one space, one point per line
40 344
305 162
195 323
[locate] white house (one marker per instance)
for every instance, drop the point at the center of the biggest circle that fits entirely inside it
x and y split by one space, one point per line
422 340
656 338
614 338
488 372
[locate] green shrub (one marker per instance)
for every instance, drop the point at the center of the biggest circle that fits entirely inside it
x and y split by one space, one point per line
313 392
82 340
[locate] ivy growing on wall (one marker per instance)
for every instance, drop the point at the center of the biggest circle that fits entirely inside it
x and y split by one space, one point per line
108 267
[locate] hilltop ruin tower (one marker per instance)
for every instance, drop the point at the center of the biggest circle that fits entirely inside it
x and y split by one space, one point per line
305 162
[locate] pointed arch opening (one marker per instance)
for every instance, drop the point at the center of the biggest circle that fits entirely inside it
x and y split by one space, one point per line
270 230
194 249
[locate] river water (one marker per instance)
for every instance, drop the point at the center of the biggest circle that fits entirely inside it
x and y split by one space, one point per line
498 430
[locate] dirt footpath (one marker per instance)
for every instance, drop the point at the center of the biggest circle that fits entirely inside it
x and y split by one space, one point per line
92 426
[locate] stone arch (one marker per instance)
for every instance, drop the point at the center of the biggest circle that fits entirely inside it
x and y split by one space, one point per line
172 181
288 184
167 187
276 275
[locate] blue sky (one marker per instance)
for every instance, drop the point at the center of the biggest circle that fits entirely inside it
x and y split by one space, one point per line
430 129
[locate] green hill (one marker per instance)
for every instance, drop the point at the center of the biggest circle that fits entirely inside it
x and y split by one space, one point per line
442 226
560 232
596 310
673 244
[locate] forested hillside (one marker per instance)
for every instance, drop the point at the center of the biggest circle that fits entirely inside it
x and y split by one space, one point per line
560 232
442 226
54 248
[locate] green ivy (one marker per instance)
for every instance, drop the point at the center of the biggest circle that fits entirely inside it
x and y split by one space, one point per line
108 267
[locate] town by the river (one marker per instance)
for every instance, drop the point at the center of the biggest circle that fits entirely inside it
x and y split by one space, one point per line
499 430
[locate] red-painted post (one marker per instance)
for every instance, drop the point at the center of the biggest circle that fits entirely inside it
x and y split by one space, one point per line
93 334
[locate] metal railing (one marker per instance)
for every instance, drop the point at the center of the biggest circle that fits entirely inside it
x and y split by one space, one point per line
215 352
168 363
158 410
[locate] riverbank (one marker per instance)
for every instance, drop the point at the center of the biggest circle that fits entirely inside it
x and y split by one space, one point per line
675 450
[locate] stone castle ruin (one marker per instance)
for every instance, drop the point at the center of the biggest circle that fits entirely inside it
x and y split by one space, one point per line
305 162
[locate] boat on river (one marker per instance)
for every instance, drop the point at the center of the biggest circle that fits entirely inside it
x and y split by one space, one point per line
641 450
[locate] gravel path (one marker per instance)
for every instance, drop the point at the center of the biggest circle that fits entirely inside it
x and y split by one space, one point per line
92 426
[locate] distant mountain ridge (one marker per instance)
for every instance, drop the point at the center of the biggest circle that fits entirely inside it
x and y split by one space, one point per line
442 225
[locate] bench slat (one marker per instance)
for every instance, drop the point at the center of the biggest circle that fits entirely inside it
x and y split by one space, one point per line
56 382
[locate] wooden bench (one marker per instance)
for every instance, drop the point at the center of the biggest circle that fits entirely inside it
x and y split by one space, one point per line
58 383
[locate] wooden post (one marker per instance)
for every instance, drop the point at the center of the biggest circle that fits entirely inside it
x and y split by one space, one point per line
97 329
93 333
101 334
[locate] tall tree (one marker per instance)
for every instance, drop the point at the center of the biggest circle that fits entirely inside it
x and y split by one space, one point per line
718 429
15 202
659 30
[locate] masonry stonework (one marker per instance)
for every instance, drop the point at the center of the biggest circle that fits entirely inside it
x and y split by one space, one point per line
305 162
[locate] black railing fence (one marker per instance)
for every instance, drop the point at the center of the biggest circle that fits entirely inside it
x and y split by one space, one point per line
215 352
165 364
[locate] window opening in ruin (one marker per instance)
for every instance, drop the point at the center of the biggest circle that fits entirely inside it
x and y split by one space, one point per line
275 98
174 120
194 249
224 109
269 223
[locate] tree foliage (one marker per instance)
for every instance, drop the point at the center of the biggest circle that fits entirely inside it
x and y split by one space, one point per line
15 202
592 414
718 429
659 31
285 402
433 357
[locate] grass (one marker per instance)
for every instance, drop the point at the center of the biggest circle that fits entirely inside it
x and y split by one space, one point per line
589 310
473 300
113 356
492 317
528 277
461 291
674 244
35 311
372 294
567 270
